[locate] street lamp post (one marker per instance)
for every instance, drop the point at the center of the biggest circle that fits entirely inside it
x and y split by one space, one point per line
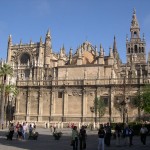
92 109
124 109
124 103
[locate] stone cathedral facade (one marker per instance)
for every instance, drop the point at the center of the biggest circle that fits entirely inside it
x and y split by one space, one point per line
61 87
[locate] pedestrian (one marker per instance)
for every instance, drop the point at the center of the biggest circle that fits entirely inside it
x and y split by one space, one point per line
75 136
54 127
24 130
131 134
30 130
82 138
143 134
117 134
108 134
2 126
34 126
11 132
101 135
51 128
126 134
20 132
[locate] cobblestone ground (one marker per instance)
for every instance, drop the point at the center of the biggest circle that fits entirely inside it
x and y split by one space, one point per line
46 142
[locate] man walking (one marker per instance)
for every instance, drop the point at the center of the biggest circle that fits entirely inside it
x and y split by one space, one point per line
101 135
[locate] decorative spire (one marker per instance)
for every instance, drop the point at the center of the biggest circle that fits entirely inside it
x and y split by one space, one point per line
110 52
134 22
114 45
143 37
20 41
61 53
127 37
30 41
63 49
101 51
41 40
96 52
134 29
9 40
70 53
48 33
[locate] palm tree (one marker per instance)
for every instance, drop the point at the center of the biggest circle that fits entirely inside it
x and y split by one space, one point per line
9 89
5 70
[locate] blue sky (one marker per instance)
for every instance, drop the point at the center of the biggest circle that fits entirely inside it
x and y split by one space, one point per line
72 22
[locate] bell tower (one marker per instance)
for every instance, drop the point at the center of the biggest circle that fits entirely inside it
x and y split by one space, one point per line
135 47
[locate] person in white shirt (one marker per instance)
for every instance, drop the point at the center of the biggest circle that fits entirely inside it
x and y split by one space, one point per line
24 130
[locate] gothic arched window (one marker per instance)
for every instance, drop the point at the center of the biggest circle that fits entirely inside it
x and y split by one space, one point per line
142 49
128 50
135 34
139 49
135 48
25 57
27 73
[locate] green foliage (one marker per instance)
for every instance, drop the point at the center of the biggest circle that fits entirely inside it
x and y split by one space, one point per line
100 106
142 99
6 70
11 89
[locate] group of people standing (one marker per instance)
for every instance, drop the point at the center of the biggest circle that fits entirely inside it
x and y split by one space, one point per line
20 129
126 134
78 137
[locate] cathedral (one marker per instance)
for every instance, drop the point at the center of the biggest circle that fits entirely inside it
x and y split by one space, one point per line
61 87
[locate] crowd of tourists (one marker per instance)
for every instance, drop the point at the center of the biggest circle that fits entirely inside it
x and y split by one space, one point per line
78 137
21 130
122 136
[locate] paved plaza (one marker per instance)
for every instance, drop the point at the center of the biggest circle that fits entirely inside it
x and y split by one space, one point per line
46 142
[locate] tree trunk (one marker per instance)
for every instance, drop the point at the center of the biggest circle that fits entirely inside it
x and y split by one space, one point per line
2 104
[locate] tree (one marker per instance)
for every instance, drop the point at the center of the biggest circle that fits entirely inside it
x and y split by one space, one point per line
9 89
100 107
5 70
142 99
145 102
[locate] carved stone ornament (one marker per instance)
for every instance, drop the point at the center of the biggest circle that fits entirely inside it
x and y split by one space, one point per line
76 92
15 56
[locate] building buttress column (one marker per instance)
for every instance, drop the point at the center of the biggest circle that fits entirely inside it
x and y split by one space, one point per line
110 104
17 106
40 106
84 104
28 105
65 104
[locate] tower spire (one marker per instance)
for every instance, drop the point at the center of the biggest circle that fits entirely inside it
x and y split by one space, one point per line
114 45
134 29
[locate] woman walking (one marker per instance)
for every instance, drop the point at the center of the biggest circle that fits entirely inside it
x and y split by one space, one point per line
75 135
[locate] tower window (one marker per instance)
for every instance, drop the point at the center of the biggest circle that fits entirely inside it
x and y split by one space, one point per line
128 50
142 49
135 48
139 49
135 34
